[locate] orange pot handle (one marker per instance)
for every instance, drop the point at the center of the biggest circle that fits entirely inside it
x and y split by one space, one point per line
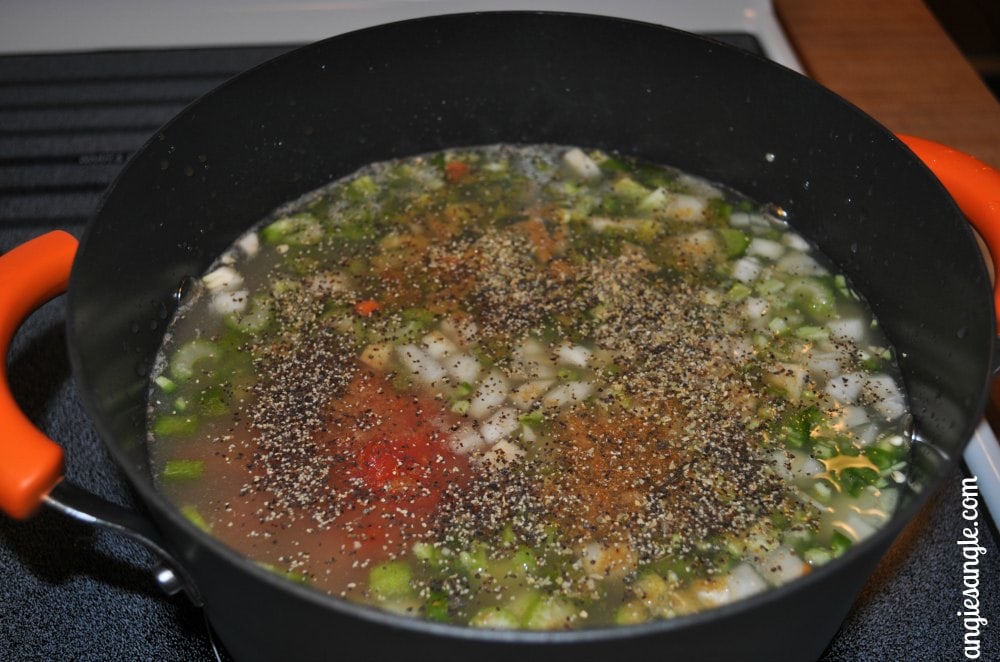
31 464
975 186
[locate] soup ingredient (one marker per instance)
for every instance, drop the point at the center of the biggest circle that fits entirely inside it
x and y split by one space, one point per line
529 387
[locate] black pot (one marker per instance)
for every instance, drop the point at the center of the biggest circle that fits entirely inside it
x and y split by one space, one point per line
321 112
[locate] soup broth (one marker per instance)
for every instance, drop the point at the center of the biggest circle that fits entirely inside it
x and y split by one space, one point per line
531 387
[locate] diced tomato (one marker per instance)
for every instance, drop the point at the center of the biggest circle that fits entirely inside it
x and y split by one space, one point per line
367 308
455 171
391 464
398 466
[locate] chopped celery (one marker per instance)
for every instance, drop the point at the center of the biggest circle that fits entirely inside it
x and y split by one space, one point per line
213 401
568 374
474 562
195 517
188 359
166 384
816 556
769 286
436 607
360 188
291 575
507 536
796 427
550 613
840 543
254 320
812 333
734 242
778 326
738 292
631 613
170 425
298 229
854 480
390 579
494 618
822 490
536 417
812 297
464 390
429 554
423 317
183 469
629 189
824 450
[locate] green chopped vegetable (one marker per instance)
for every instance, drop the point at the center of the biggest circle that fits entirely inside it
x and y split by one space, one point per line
734 242
166 384
812 297
171 425
839 543
195 356
738 292
390 579
183 469
535 417
194 516
255 319
298 230
494 618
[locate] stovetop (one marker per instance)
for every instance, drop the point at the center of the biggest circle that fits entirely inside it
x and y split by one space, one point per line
68 122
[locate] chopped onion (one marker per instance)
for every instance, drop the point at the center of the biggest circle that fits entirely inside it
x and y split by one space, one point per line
796 242
757 307
699 186
789 377
747 269
580 164
467 440
377 355
846 387
227 303
249 244
889 399
223 279
577 355
767 248
853 416
742 582
503 453
420 364
800 264
826 364
685 207
567 393
780 566
528 393
848 329
739 219
854 527
491 394
501 425
532 361
464 368
438 345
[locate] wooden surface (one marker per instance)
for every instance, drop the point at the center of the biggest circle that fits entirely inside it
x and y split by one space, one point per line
892 59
